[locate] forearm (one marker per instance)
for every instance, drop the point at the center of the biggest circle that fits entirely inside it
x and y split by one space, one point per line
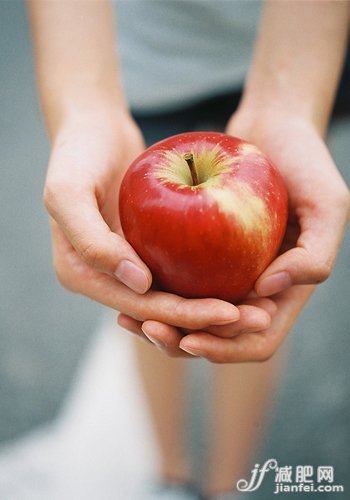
298 58
77 67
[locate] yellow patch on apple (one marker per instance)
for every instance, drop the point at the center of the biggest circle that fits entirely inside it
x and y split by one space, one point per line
210 163
249 209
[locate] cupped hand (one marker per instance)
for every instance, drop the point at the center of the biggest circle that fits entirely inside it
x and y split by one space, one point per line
254 316
319 200
258 340
319 205
318 214
89 156
91 257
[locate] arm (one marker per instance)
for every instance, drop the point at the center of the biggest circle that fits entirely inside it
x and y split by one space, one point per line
285 111
289 97
94 139
298 58
77 66
81 95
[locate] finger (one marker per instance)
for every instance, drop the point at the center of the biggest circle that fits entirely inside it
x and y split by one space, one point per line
174 310
164 307
254 319
267 305
76 211
165 337
251 346
313 258
171 309
255 316
130 324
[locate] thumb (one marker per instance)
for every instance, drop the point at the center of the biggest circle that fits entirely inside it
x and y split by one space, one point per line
312 259
80 219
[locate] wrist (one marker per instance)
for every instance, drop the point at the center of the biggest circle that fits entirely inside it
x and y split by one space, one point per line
93 112
260 123
279 105
110 131
297 61
90 103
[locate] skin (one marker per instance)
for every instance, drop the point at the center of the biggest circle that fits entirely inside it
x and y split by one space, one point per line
294 101
285 111
93 140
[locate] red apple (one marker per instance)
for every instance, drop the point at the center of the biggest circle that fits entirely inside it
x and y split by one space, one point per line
206 212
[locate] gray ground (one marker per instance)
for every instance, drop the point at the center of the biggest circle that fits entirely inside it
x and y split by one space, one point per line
44 330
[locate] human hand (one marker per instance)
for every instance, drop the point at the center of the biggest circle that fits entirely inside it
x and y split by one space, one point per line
90 155
258 340
318 200
94 140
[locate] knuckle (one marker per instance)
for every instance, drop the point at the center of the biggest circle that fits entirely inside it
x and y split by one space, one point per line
264 356
265 353
64 279
91 254
48 197
179 305
51 194
322 270
180 312
344 197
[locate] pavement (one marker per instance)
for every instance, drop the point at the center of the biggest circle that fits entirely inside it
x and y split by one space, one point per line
72 419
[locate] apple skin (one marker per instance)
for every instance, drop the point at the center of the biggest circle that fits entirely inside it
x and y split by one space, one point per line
209 240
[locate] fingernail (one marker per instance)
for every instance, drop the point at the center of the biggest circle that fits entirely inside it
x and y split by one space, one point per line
132 276
156 342
192 351
228 314
275 283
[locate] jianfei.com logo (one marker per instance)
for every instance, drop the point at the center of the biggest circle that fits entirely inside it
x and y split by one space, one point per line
289 479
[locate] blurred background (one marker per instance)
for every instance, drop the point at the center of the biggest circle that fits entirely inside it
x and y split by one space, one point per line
46 332
43 329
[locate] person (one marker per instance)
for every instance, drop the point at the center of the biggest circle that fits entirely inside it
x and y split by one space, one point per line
284 109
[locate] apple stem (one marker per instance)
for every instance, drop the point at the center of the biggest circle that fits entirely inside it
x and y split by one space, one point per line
188 157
